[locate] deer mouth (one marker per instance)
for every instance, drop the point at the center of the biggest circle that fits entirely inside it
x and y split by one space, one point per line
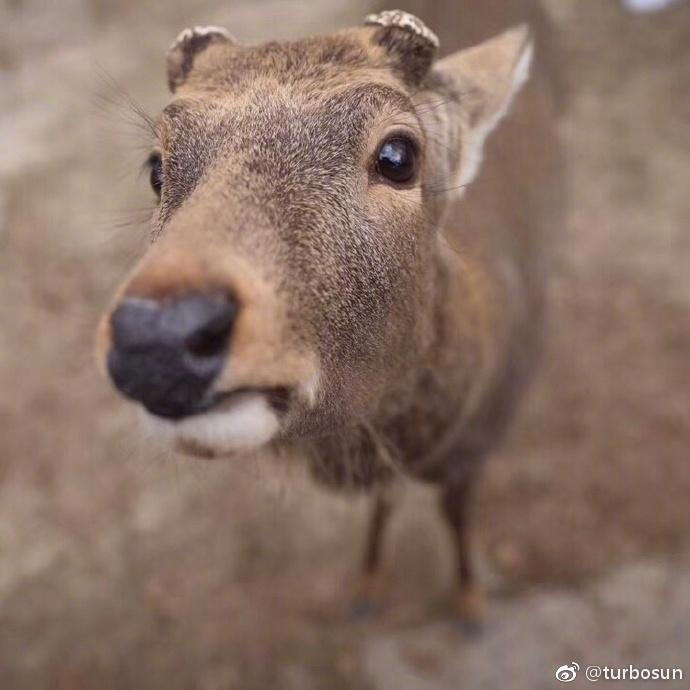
238 420
278 397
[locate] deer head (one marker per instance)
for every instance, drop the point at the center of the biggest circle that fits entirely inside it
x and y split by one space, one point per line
289 285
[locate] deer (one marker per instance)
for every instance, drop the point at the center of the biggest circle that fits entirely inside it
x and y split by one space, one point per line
333 267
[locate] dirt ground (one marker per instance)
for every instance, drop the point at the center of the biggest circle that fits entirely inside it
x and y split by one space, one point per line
124 567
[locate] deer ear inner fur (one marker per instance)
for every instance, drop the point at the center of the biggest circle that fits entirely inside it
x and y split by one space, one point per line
482 83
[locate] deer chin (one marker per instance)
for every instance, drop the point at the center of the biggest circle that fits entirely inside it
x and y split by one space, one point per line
242 421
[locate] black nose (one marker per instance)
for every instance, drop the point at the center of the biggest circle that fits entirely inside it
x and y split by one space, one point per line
165 355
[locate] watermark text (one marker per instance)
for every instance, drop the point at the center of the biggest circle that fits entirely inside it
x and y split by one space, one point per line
567 673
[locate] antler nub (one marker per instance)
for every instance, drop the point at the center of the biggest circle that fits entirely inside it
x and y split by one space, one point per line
187 45
404 21
198 31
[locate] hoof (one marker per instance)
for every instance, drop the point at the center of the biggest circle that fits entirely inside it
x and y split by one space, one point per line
472 630
362 609
367 598
469 609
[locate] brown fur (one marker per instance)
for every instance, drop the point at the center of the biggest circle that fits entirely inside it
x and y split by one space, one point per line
417 313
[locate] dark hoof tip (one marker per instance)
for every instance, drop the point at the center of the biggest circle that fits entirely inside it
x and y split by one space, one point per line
471 629
363 609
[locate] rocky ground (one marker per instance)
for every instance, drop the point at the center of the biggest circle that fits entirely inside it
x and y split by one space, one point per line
124 567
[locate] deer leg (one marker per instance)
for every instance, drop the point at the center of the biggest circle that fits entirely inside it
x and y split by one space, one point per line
369 586
378 519
469 599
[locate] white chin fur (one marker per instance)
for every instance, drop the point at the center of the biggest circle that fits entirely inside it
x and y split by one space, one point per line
247 423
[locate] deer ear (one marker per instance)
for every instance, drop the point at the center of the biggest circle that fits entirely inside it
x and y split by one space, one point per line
410 43
482 82
187 46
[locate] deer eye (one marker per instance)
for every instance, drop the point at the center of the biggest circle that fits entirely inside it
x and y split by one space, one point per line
396 159
155 164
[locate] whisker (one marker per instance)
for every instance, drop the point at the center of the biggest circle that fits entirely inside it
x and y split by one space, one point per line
124 104
430 190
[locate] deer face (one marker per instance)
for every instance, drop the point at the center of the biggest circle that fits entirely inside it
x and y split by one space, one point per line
289 285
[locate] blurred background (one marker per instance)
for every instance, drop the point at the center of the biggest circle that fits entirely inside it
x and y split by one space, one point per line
122 566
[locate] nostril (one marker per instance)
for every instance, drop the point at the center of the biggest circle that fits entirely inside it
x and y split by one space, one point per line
211 339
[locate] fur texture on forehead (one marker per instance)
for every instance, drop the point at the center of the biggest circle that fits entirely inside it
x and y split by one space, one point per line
318 61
